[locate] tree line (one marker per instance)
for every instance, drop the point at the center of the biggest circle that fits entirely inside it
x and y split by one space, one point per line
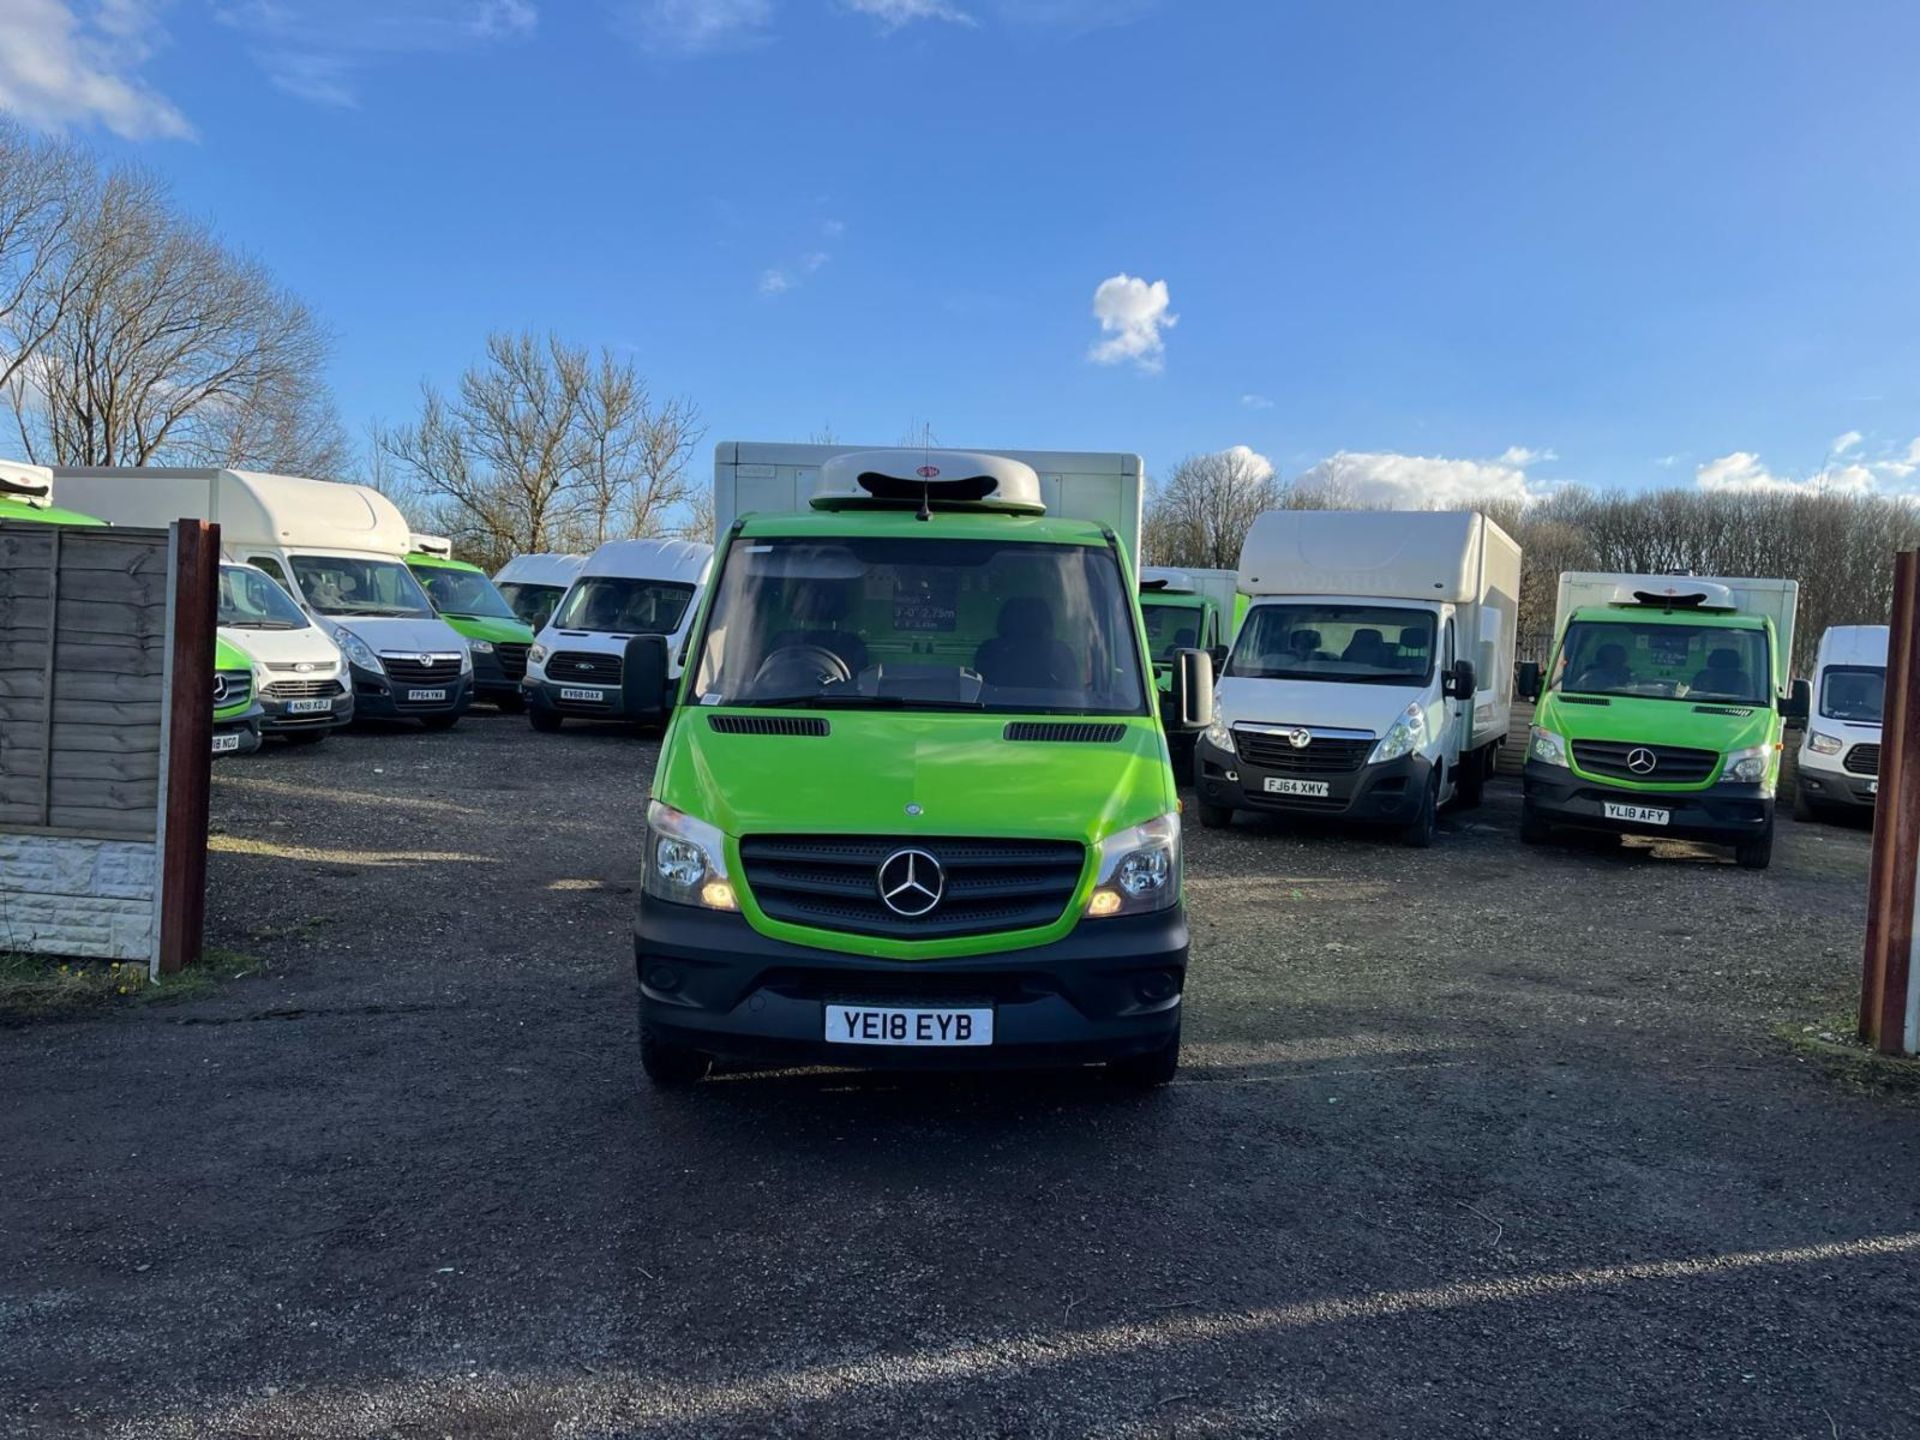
131 333
1839 547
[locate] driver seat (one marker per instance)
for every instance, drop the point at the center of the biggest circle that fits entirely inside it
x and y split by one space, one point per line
1023 652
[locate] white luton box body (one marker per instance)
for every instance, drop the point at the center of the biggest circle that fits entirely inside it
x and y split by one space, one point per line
772 478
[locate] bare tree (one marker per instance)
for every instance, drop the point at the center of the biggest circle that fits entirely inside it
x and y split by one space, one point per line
44 187
544 446
1201 516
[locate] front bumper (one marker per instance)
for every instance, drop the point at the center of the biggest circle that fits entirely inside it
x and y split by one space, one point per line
276 719
490 680
1723 813
375 697
710 981
545 696
1389 793
247 728
1838 787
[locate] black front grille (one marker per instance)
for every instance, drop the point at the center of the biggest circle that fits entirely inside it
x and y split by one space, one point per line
1863 760
412 670
832 883
1065 732
767 725
578 666
1672 764
302 689
512 658
1319 756
231 688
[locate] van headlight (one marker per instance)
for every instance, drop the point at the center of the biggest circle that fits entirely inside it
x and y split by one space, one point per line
1139 870
1750 766
686 860
537 655
357 650
480 647
1824 744
1406 735
1547 747
466 659
1220 736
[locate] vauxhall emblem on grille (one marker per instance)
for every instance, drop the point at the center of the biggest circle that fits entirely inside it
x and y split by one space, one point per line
911 882
1641 761
1299 737
424 659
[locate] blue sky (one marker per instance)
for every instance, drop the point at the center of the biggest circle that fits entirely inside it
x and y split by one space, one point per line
1469 246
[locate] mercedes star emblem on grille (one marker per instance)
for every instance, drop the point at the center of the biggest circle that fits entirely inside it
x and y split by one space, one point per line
1299 737
1641 761
911 882
219 688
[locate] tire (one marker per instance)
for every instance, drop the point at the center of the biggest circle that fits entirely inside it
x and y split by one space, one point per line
1803 808
1214 817
439 722
669 1066
510 704
1418 833
1151 1070
545 721
306 737
1757 853
1533 830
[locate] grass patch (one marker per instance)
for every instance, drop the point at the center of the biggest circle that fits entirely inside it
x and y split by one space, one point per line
1831 1044
37 987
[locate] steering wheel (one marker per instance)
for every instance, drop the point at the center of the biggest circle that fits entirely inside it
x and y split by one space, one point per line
797 666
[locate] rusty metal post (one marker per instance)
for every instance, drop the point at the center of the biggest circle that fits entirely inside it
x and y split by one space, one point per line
189 765
1890 978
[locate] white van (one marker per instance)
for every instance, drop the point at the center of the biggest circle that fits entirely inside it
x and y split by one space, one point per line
299 675
1840 749
340 550
626 588
533 585
1372 678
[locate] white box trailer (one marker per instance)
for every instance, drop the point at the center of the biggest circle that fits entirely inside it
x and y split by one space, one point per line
766 476
1778 600
1348 691
340 551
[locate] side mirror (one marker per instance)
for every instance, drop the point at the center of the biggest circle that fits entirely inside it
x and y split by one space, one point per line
1190 705
644 677
1526 680
1459 682
1797 704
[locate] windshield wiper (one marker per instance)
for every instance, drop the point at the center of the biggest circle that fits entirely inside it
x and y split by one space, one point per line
262 625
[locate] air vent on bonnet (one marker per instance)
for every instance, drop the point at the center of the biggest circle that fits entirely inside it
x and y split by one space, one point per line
767 725
1722 710
1583 700
1072 734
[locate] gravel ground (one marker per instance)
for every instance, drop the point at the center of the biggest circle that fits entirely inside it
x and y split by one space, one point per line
1471 1141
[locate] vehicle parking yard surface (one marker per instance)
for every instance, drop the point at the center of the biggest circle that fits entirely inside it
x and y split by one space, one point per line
1474 1140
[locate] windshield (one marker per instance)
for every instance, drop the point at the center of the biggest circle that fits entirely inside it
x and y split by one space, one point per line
466 593
1326 640
1170 628
922 624
349 585
531 603
615 605
1664 662
1853 692
250 601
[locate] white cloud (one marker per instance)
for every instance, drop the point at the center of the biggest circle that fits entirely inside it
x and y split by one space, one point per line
892 14
778 279
1900 467
1256 402
1667 462
832 228
1523 456
60 67
1843 443
1417 482
1742 471
1132 314
1254 465
775 281
697 27
319 50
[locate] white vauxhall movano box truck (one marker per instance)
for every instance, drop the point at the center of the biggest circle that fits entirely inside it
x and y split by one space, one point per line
339 550
626 589
1372 678
1839 759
